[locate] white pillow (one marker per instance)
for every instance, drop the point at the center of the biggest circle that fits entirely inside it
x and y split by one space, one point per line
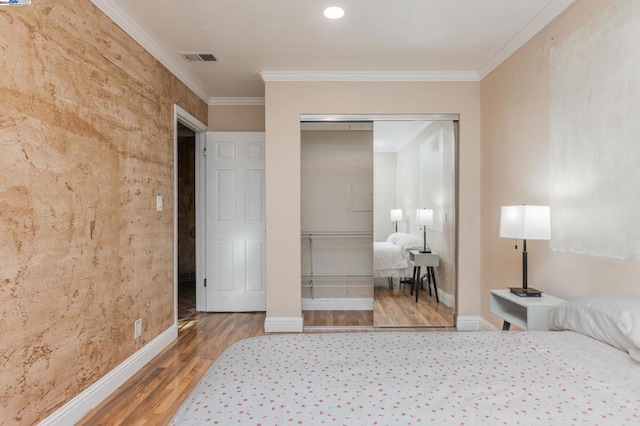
406 241
612 319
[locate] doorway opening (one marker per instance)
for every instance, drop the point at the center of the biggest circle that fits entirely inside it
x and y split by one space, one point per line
188 249
186 206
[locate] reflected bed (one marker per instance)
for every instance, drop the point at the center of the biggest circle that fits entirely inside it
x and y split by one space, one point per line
391 258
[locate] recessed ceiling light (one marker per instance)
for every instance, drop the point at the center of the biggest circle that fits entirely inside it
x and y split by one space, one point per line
334 12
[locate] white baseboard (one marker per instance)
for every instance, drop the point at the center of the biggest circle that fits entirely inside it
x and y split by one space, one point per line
467 323
331 304
474 324
487 326
283 324
87 400
446 298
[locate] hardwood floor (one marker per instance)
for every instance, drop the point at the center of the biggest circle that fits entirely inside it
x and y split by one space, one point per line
338 318
155 393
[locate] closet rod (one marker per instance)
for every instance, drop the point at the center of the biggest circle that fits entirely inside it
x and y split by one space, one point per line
350 234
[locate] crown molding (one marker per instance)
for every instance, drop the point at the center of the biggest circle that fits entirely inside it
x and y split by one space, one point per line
117 15
551 11
544 17
221 101
369 76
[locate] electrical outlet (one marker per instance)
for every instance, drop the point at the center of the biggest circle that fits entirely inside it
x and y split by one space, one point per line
137 328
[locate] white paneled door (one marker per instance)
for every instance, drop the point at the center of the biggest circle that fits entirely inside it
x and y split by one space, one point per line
235 226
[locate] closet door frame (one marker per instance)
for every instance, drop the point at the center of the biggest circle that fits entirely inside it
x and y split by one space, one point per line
455 118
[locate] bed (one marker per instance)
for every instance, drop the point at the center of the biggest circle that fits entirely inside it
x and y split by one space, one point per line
491 377
391 258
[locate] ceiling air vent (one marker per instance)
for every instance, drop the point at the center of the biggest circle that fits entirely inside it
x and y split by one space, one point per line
199 57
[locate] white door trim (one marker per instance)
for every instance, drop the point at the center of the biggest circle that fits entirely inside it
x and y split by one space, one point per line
201 223
182 116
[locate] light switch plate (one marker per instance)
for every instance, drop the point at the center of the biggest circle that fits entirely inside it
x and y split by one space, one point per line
137 332
158 203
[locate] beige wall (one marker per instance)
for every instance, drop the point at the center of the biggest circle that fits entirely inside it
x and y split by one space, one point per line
328 159
86 143
236 118
515 169
284 104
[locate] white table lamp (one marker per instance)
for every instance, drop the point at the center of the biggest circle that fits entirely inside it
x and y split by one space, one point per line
526 223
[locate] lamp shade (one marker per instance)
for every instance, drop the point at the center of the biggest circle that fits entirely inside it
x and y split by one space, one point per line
525 222
424 217
396 215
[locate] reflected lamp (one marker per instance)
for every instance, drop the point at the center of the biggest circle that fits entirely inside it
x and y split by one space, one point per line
424 217
396 216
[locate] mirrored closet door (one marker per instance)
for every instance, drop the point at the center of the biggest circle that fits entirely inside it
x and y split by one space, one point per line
414 223
360 268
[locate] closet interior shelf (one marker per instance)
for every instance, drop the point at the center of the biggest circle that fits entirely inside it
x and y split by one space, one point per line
336 234
312 281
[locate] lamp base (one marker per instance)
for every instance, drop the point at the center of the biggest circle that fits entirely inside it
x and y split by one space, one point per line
525 292
425 251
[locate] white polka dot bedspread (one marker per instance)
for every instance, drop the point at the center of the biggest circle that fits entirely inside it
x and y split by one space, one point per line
409 378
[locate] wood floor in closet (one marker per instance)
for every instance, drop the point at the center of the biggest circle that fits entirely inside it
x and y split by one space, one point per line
391 308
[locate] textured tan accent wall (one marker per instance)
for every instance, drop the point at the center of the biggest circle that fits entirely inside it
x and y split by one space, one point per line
515 169
86 143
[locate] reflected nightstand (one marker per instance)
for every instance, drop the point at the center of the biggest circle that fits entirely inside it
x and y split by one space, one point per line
429 261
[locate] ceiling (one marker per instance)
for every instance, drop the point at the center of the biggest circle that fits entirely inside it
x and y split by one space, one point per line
377 40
